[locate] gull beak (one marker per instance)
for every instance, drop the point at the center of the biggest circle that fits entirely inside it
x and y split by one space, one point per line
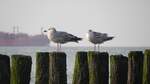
45 31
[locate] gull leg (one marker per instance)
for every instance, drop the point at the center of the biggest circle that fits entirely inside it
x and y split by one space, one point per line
94 47
60 47
98 47
57 47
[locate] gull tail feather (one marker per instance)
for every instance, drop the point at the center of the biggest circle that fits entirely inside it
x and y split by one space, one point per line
109 38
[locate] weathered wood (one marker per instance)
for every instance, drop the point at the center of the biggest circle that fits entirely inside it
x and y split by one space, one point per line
98 67
146 68
21 69
42 68
118 69
4 69
135 67
57 68
81 72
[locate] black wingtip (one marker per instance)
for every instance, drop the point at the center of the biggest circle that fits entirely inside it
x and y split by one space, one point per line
110 38
78 39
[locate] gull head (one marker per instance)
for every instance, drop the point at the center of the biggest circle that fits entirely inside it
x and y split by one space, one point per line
52 29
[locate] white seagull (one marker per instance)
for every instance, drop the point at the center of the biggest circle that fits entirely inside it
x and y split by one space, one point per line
97 38
60 37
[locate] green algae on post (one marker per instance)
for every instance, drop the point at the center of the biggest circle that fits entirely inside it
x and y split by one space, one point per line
4 69
57 68
135 67
21 69
81 72
146 67
118 69
98 67
42 68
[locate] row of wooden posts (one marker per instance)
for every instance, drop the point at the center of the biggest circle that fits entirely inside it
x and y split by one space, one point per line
90 68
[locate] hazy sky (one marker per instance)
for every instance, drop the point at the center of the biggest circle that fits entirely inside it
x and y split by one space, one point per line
127 20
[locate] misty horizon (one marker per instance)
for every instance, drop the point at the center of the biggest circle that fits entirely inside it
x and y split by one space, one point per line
127 20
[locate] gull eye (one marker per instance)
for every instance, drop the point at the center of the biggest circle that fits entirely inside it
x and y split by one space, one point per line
45 31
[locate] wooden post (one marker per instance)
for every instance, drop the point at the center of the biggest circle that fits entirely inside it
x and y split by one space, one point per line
98 67
42 68
57 68
146 69
135 67
4 69
81 72
21 69
118 69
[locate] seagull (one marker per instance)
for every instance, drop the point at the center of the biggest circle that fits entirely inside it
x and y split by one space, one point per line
97 38
60 37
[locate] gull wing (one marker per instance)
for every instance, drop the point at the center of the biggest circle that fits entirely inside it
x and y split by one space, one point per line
68 37
100 35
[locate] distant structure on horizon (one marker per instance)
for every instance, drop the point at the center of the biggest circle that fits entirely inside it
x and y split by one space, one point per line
22 39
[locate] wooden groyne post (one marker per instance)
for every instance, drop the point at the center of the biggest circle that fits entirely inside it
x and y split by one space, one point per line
4 69
81 72
146 68
98 67
42 68
135 67
118 69
57 68
20 69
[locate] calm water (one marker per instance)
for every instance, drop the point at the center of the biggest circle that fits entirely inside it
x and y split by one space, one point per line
70 51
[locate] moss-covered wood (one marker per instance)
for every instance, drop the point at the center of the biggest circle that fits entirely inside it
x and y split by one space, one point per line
4 69
57 68
20 69
118 69
146 68
42 68
81 72
98 67
135 67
